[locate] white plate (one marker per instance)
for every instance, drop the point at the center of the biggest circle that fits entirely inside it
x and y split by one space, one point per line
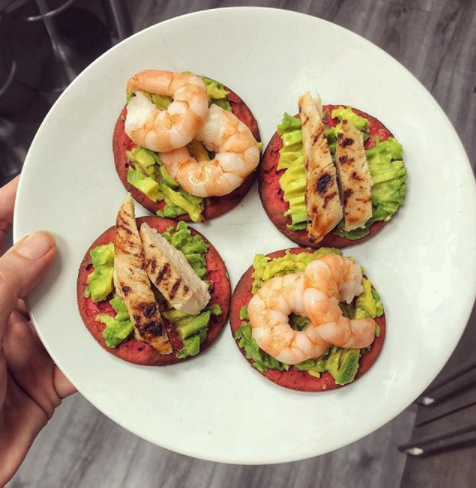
216 407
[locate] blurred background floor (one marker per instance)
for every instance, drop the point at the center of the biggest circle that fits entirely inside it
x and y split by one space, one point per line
436 41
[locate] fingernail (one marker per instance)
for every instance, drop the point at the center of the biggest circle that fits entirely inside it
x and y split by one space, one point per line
36 245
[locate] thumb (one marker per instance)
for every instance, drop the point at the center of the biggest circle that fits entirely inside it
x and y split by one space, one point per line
21 268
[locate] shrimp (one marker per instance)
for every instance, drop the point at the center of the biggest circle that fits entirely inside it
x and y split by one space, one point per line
165 130
269 311
237 155
328 281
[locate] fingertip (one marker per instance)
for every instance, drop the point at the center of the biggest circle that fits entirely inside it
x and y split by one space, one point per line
36 245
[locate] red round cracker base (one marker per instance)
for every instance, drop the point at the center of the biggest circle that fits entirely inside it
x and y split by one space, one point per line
138 352
214 206
272 196
294 379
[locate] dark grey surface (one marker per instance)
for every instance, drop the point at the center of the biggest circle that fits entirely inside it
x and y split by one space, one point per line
436 41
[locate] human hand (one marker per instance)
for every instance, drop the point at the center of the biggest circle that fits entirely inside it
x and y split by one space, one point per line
31 385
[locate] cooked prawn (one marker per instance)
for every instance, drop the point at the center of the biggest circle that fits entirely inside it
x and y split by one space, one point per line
328 281
237 155
269 311
165 130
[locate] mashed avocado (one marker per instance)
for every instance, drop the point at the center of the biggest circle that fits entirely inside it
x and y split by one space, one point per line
151 178
386 167
192 330
342 364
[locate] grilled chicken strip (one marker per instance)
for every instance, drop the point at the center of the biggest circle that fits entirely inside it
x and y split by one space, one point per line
132 282
324 210
170 272
354 176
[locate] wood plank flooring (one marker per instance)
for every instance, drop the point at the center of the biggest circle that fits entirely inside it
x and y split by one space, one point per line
436 41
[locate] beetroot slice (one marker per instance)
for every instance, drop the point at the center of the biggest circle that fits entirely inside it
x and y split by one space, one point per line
294 379
138 352
272 196
214 206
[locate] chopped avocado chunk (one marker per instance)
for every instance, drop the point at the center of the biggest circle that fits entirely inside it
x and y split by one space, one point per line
360 123
192 330
389 177
185 201
191 345
100 281
102 256
215 309
216 93
117 303
129 95
145 184
171 211
198 151
215 89
174 315
368 304
193 324
143 159
101 284
118 328
167 179
343 364
289 124
313 366
290 139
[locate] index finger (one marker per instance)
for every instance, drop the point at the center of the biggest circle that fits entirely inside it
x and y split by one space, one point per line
7 202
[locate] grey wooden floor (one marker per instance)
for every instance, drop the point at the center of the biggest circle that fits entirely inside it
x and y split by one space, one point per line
436 41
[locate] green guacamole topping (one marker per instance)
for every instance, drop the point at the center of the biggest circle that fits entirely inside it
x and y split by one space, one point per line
192 329
150 176
342 364
386 168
